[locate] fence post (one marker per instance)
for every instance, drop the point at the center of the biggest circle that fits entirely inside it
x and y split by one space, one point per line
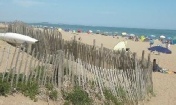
8 53
2 56
94 52
19 69
16 62
61 69
142 60
137 76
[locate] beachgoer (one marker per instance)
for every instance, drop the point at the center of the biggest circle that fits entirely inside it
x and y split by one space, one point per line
79 38
151 42
168 46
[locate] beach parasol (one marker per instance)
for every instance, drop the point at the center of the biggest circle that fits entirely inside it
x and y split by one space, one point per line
121 45
132 35
169 38
160 49
162 37
90 31
152 36
59 29
124 33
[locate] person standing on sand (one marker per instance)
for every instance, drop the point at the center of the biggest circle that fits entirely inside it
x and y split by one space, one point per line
151 42
168 44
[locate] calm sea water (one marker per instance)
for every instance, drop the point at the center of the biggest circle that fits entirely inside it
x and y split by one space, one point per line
112 30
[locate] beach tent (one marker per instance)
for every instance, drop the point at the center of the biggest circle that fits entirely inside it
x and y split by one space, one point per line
121 45
160 49
142 38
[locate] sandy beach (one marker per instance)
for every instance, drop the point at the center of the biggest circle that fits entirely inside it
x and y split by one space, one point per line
166 61
164 84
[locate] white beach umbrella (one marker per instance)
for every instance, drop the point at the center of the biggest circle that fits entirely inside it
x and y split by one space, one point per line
162 36
124 33
90 31
59 29
132 35
16 38
73 31
121 45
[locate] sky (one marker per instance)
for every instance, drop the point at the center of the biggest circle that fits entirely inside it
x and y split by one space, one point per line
153 14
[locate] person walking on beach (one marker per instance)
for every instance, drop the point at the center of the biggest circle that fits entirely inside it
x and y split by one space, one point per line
151 42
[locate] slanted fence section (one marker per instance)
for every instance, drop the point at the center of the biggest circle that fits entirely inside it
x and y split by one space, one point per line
70 63
19 66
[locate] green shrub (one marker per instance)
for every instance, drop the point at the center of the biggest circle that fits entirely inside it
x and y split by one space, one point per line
111 98
53 95
4 88
49 86
78 97
40 71
121 93
67 103
31 89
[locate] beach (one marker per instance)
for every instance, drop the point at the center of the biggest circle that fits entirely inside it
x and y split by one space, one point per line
166 61
163 84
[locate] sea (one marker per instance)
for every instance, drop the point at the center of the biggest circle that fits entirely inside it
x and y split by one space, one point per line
112 30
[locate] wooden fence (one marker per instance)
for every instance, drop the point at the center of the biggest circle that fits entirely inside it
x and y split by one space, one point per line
70 62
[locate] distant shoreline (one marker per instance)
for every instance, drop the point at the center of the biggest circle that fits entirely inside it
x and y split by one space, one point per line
47 23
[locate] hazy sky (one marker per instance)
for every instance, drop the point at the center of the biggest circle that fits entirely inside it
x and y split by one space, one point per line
160 14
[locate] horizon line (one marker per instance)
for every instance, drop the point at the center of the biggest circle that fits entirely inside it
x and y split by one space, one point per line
93 25
100 26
